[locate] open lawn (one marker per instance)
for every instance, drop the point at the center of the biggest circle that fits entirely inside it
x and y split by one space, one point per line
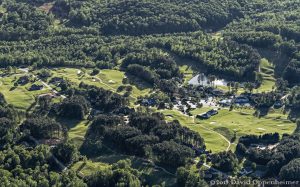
210 136
77 132
267 72
187 72
223 125
88 167
20 97
107 79
243 122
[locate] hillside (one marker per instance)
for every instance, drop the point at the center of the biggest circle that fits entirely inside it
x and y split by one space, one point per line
148 92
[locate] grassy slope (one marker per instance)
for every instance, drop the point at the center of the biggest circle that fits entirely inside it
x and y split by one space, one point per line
107 79
245 123
77 132
267 71
19 97
89 167
210 136
187 72
226 123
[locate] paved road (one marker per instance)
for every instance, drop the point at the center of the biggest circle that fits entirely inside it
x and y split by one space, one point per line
223 137
25 70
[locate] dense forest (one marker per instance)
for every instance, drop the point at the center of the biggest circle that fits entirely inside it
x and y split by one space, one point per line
41 42
153 17
273 26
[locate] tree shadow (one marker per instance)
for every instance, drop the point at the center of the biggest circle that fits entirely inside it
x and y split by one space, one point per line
140 84
111 158
191 64
31 108
69 123
293 114
262 111
198 67
96 149
280 60
12 88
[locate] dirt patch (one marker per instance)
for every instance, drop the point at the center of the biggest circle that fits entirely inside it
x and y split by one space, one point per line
261 129
46 7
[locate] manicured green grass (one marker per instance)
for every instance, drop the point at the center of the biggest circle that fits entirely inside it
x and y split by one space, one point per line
244 123
176 115
197 111
213 141
19 96
71 74
267 71
226 132
187 72
154 176
241 121
107 79
266 86
77 133
114 79
88 167
111 77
